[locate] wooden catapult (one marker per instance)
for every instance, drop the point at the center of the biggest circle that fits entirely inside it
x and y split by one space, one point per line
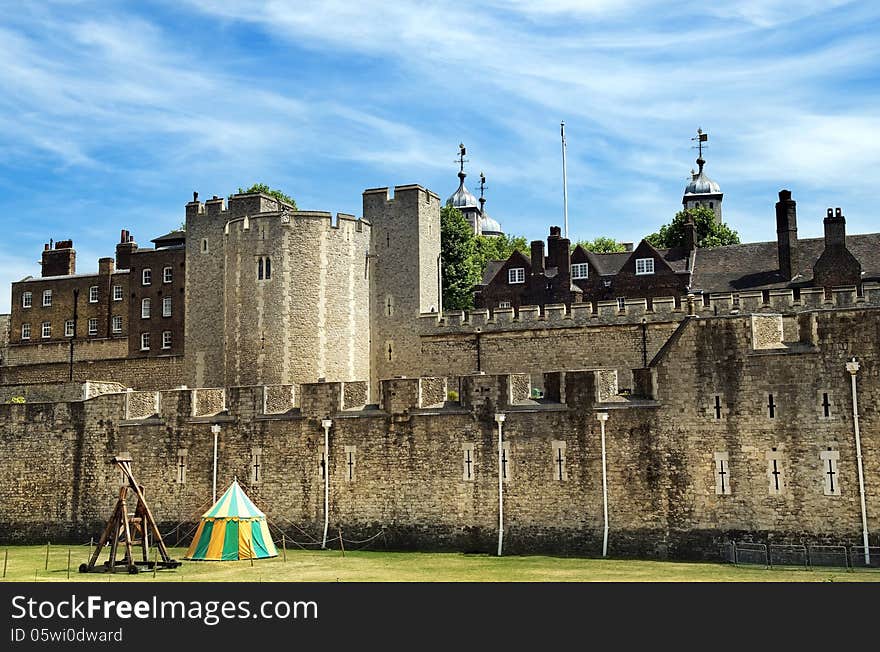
130 530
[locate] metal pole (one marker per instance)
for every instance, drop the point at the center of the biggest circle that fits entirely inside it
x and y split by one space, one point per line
564 180
853 367
499 419
326 424
216 430
603 417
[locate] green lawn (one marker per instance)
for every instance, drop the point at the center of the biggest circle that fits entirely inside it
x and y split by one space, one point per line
27 563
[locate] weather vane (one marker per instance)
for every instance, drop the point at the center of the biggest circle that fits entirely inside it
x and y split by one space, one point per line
461 160
700 138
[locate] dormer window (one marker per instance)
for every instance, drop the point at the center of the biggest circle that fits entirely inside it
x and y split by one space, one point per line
580 270
516 275
644 266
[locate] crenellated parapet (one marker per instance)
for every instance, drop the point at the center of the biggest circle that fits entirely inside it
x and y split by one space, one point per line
656 310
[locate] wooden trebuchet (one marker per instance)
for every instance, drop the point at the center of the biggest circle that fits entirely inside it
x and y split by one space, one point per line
130 530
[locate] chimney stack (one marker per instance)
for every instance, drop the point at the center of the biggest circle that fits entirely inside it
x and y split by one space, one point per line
105 266
786 235
126 247
537 256
836 266
60 260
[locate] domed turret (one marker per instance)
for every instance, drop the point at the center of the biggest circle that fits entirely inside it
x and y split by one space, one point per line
702 191
465 201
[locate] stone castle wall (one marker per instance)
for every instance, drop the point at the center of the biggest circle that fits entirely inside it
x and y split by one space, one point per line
404 467
139 373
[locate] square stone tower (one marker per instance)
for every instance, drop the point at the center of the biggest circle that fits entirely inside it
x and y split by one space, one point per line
404 270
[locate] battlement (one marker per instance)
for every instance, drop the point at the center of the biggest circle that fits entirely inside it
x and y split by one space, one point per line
659 309
405 190
291 217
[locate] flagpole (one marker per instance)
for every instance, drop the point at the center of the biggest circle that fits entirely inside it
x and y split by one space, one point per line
564 180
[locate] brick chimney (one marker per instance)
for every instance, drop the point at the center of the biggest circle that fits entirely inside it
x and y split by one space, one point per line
126 247
60 260
537 256
786 235
836 266
105 266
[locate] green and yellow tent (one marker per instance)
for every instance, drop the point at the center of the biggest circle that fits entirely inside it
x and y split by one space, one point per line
232 529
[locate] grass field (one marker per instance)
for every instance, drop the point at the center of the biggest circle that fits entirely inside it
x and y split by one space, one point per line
28 564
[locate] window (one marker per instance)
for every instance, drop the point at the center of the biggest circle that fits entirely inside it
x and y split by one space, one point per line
25 331
147 277
93 294
47 329
93 326
117 293
167 274
166 339
644 265
558 460
389 305
711 204
467 462
350 462
181 465
504 304
145 341
145 309
27 299
621 303
829 471
256 464
722 474
47 298
68 328
516 275
166 307
580 270
204 245
774 472
117 324
264 268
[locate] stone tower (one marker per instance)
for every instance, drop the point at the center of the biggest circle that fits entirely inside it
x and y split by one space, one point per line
404 270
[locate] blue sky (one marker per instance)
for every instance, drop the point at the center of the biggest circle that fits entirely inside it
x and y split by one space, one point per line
111 114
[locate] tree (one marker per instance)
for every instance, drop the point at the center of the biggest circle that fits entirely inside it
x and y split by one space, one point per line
277 194
498 248
601 245
458 260
709 232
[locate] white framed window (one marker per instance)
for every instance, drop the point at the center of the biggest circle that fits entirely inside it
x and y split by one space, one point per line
145 308
47 329
117 323
644 265
47 298
167 274
93 294
166 339
25 331
147 277
68 328
27 299
145 341
117 293
516 275
504 304
580 270
93 326
621 303
166 307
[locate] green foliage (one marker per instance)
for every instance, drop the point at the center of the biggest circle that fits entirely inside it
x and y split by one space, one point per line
277 194
601 245
498 248
17 399
458 260
709 232
452 396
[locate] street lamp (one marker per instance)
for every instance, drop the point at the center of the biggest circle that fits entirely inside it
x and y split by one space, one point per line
326 424
499 419
853 368
602 417
215 428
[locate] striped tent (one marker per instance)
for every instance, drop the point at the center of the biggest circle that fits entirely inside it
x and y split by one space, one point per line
232 529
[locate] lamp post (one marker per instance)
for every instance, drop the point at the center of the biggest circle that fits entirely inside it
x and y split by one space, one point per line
853 368
499 419
602 417
215 428
326 424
